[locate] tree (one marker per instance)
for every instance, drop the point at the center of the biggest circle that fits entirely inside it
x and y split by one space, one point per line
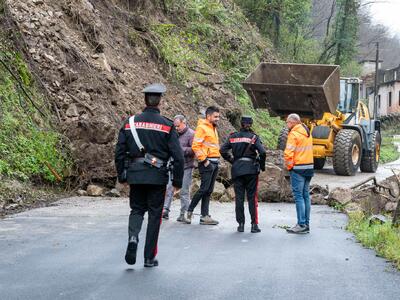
284 22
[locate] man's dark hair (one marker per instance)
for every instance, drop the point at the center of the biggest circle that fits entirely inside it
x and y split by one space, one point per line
211 109
152 99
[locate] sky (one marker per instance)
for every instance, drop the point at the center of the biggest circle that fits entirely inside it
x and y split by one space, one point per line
386 12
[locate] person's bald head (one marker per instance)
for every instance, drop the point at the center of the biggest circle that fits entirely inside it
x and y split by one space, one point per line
292 120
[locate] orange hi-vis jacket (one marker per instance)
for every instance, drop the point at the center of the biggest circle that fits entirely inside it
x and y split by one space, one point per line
205 142
299 149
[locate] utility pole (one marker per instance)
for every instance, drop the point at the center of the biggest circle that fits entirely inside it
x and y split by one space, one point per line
376 82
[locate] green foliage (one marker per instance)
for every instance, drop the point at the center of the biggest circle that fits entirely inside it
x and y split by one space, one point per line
384 239
207 36
351 69
287 24
346 29
389 151
27 141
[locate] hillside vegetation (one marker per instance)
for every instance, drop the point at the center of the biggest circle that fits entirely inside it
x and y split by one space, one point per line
30 145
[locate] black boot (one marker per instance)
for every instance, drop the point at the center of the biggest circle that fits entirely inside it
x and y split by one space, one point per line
130 256
240 227
150 262
255 228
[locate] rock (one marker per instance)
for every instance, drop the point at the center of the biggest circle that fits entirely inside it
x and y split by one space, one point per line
95 190
317 189
230 192
340 195
37 2
377 219
275 157
11 206
318 199
123 189
219 190
82 193
72 111
224 172
113 193
225 198
49 57
106 65
272 185
195 185
352 207
390 206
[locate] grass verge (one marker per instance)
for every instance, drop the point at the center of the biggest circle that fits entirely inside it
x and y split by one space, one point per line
383 238
389 151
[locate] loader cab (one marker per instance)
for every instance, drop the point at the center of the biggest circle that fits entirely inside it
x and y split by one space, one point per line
349 95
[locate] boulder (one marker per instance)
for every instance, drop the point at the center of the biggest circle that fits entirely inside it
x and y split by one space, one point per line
95 190
352 207
340 195
113 193
195 185
82 193
317 189
219 191
72 111
225 198
230 192
224 172
390 206
318 199
377 219
123 189
272 185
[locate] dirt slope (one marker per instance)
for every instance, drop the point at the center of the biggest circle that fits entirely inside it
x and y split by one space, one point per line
82 53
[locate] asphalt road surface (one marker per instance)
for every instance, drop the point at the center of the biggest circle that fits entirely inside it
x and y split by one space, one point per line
75 250
327 176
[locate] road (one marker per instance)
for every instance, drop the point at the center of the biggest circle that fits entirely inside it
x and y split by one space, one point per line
74 250
327 176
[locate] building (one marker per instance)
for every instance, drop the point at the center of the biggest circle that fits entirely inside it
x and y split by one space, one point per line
388 92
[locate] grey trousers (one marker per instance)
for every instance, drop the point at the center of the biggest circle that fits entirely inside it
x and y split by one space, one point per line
184 192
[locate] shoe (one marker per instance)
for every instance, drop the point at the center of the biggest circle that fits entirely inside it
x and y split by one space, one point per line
207 220
255 228
150 262
130 256
240 227
298 229
165 215
189 216
181 218
307 229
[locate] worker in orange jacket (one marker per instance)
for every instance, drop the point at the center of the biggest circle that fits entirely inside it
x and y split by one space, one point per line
206 148
299 161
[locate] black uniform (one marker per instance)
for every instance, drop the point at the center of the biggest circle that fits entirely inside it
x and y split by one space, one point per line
148 183
247 160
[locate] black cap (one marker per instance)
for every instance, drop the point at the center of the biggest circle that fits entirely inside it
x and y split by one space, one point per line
155 88
246 120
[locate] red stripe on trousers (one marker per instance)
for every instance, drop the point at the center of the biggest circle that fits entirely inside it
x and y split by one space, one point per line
256 202
162 211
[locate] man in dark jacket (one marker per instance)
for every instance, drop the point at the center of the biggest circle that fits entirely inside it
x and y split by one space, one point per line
247 159
145 144
185 139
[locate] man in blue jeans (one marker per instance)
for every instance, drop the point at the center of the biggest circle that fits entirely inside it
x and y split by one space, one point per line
299 161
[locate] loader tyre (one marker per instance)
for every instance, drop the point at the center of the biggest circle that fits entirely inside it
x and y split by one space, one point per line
319 163
282 139
369 164
347 152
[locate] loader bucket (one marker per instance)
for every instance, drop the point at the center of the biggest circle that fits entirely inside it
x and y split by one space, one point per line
308 90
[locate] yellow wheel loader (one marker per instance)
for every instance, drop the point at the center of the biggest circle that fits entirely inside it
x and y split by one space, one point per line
340 123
